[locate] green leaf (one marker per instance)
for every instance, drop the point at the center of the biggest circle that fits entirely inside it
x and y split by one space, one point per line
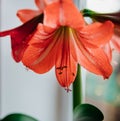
87 112
18 117
88 12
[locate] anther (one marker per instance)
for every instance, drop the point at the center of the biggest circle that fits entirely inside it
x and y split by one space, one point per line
60 73
67 89
73 74
61 67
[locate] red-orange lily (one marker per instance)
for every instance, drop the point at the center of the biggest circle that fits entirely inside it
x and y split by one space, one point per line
64 40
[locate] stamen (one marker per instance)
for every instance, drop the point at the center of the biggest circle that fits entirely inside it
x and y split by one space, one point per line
73 74
60 73
64 66
58 68
67 89
61 67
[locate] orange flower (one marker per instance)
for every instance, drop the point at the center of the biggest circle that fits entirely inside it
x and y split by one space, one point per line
64 40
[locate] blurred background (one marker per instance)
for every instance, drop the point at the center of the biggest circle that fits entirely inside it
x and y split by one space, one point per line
105 94
41 96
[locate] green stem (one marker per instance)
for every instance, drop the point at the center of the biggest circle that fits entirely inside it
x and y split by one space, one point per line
77 88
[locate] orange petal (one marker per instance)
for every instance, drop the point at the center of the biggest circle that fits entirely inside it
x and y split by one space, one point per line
40 4
94 60
47 2
71 16
65 71
62 15
27 14
51 11
31 60
66 65
115 41
41 53
108 50
96 34
97 62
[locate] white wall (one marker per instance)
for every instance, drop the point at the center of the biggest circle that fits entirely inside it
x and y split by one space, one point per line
103 5
25 91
